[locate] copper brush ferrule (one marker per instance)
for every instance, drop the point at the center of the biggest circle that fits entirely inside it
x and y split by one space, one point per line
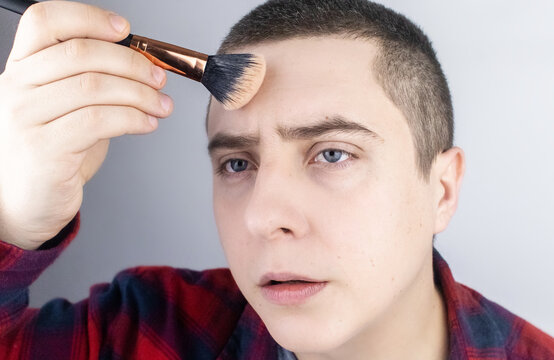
171 57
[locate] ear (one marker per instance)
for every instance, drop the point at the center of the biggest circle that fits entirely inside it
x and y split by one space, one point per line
448 171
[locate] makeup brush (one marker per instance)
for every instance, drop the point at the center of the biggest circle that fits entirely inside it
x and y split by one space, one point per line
233 79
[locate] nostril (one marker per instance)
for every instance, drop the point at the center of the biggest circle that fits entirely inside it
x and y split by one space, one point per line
285 230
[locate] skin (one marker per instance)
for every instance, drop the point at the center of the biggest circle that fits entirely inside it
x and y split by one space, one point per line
363 223
66 91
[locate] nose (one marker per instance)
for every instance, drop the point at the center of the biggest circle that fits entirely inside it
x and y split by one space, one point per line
276 205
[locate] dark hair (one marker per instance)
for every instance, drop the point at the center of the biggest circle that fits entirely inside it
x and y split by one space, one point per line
406 65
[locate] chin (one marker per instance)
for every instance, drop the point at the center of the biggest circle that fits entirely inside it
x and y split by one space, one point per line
302 334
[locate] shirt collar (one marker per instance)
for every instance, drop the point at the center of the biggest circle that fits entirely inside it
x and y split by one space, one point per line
447 286
478 328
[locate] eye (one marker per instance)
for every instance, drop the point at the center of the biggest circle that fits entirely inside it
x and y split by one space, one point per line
332 156
236 165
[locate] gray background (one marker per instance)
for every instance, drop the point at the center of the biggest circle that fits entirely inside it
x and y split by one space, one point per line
150 203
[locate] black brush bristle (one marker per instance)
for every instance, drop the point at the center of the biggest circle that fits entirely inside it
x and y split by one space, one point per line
229 77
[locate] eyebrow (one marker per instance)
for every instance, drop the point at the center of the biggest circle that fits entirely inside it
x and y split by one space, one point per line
331 124
228 141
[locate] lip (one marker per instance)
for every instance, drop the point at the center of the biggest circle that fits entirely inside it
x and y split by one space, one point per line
268 277
289 293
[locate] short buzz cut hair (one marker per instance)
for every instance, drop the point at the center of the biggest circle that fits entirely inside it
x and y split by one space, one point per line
406 65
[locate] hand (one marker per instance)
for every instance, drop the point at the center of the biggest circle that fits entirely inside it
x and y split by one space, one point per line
67 89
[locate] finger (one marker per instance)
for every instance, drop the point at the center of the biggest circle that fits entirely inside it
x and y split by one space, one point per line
56 99
93 159
50 22
77 56
82 129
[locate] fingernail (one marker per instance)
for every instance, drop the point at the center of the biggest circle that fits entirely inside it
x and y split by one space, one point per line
118 23
166 102
158 73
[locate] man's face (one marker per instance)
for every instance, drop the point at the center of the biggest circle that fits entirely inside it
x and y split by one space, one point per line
316 176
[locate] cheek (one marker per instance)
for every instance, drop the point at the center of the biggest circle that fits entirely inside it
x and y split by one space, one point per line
356 212
229 204
228 214
376 226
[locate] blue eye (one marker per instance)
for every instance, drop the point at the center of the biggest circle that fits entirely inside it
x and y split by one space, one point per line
332 156
236 165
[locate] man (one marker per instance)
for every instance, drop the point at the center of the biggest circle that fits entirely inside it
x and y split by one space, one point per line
328 189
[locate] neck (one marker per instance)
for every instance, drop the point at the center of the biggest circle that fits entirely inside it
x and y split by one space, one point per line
414 327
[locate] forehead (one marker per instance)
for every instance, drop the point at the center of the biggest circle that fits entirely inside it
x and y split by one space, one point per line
307 80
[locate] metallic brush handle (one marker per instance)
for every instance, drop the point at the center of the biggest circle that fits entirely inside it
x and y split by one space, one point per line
171 57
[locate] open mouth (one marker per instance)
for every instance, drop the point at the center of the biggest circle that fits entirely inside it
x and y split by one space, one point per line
274 282
290 292
274 279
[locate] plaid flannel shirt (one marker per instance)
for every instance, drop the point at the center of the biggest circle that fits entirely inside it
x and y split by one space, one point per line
167 313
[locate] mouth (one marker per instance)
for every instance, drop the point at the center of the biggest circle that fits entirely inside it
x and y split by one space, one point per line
287 289
272 279
274 282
